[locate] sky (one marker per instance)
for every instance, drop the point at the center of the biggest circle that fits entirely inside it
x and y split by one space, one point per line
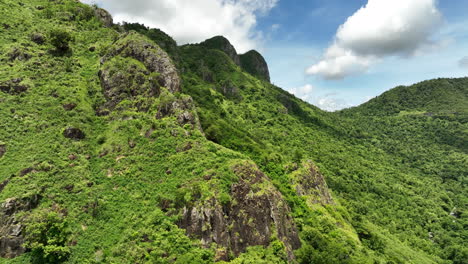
331 53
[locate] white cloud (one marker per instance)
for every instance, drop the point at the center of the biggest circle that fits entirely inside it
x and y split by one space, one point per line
463 62
191 21
379 29
327 102
331 104
303 92
275 27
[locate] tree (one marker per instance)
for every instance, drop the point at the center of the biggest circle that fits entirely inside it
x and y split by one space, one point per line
60 39
46 236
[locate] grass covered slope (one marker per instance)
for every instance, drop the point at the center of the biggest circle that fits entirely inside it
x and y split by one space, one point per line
433 97
101 167
112 151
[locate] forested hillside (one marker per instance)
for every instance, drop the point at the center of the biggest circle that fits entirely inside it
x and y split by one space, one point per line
119 146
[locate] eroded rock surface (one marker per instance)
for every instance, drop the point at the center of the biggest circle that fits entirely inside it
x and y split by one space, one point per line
11 227
14 86
152 56
309 182
183 108
136 67
256 212
74 133
104 16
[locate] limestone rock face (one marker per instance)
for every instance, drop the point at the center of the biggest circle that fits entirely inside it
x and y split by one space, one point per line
222 44
133 67
254 63
251 218
11 228
183 109
309 182
104 17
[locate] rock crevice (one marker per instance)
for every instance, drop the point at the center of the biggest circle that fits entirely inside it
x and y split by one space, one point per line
135 67
11 227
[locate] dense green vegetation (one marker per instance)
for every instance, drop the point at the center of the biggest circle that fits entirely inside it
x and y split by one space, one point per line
115 192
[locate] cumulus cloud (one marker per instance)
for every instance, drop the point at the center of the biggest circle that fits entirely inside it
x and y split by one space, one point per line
379 29
463 62
191 21
303 92
330 103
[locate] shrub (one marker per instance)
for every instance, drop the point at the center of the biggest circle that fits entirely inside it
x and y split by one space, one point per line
60 39
46 236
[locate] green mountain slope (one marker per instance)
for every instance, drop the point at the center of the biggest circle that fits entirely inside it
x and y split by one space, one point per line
434 97
118 146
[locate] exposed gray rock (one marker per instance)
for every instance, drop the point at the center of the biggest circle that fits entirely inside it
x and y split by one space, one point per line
11 227
127 84
222 44
20 54
309 182
14 86
129 80
183 109
74 133
254 63
104 17
250 219
38 38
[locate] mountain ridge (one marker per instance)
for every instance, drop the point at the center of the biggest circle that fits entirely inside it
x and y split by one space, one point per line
132 155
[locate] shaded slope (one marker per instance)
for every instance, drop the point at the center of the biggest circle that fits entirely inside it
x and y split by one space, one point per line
254 63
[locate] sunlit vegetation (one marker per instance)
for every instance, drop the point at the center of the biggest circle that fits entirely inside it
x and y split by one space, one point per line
397 166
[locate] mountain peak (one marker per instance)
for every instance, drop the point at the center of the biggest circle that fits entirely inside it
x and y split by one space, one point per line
221 43
254 63
251 61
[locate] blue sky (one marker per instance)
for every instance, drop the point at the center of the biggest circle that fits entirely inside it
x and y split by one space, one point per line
306 28
381 43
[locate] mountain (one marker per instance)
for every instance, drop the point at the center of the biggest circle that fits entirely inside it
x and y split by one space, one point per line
433 97
118 146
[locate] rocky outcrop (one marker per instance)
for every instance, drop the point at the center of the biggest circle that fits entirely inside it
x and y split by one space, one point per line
254 63
74 133
14 86
310 183
2 149
104 16
19 53
222 44
11 227
255 213
38 38
251 62
123 78
183 108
